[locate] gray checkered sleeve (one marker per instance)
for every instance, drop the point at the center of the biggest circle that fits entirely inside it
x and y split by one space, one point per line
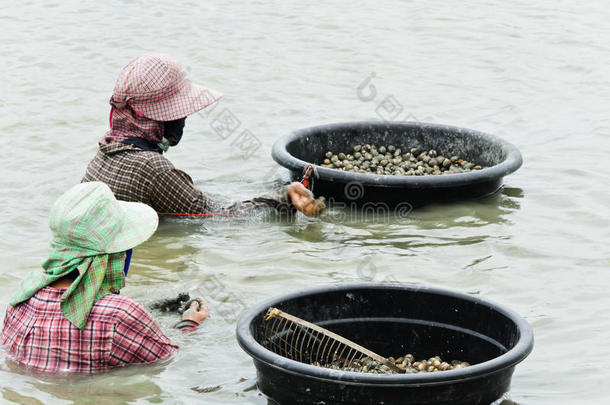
148 177
174 192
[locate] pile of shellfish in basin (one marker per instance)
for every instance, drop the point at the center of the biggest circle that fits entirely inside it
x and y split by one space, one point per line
406 363
390 160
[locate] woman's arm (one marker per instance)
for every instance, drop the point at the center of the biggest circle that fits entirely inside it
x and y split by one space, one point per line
173 191
137 338
194 315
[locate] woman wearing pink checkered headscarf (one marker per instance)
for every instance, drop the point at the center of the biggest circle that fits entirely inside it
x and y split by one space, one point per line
150 102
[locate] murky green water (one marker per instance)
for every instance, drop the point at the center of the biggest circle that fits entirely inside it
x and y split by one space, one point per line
533 73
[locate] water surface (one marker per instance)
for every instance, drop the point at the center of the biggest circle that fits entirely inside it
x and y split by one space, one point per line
535 74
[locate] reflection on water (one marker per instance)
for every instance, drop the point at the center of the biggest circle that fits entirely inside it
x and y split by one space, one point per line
493 209
433 225
117 386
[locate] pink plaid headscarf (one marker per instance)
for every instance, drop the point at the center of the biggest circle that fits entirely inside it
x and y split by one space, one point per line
151 89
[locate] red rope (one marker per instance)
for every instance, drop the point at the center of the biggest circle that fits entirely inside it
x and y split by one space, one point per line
307 181
198 215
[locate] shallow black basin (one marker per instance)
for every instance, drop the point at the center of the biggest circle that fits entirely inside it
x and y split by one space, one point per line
392 321
308 146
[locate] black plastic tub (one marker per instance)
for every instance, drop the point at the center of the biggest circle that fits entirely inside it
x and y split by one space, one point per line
392 321
308 146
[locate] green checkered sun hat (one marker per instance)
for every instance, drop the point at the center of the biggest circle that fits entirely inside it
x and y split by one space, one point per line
91 230
90 217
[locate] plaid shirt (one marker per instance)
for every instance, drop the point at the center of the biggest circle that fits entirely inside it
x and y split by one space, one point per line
119 331
137 175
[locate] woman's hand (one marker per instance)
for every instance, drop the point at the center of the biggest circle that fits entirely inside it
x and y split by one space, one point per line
303 200
198 311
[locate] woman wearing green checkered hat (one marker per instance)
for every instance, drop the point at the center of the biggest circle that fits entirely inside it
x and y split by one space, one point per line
68 316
